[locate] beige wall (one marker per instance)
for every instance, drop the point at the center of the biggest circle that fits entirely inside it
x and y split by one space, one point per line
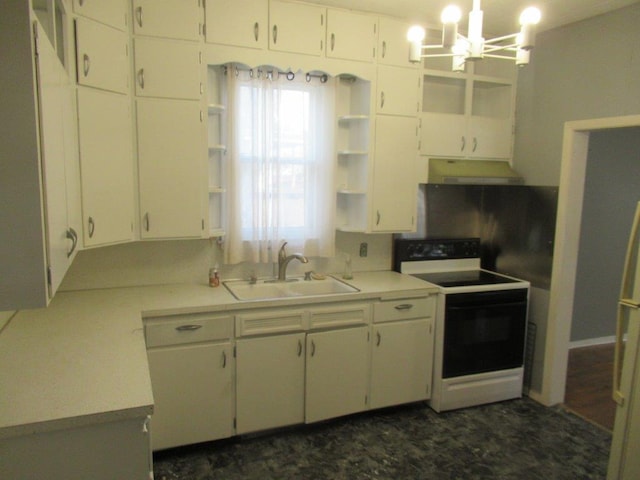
589 69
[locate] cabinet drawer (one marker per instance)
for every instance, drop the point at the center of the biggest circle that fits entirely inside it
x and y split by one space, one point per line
339 315
180 329
278 321
404 309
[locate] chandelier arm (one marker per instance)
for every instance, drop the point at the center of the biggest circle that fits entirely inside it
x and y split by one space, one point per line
512 36
496 48
501 57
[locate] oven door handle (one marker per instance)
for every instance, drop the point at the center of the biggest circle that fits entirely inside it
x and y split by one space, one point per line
487 305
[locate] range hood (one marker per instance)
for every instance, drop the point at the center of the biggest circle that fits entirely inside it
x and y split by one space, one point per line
472 172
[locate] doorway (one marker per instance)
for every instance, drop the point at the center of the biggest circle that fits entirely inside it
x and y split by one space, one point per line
565 263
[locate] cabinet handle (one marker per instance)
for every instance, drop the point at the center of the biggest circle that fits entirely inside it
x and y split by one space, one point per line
224 359
86 64
377 217
378 339
404 306
333 41
146 221
475 144
139 16
188 328
381 99
299 347
73 236
92 227
463 143
275 34
256 31
384 48
141 78
313 348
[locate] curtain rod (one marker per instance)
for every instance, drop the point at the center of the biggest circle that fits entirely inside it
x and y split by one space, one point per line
269 73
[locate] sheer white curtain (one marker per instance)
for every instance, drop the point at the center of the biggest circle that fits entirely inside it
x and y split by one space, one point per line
281 165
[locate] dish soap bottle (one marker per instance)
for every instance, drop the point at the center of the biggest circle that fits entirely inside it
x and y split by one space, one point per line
214 278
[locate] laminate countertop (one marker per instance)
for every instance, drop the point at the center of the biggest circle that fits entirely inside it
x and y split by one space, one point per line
83 360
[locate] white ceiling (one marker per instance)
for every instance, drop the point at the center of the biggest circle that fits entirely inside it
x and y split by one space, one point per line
500 16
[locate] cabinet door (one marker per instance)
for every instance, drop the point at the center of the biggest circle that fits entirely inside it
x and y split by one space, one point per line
394 176
102 56
167 69
269 382
490 137
296 28
192 391
172 168
329 393
443 134
59 151
351 36
401 362
397 91
241 23
106 160
112 12
393 47
167 18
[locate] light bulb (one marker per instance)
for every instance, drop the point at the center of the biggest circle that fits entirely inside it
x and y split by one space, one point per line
416 34
530 16
450 14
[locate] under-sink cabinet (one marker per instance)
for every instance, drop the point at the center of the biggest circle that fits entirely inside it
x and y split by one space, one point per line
191 364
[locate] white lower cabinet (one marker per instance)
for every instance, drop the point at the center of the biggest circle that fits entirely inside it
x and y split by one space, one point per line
101 451
269 382
337 371
402 351
191 366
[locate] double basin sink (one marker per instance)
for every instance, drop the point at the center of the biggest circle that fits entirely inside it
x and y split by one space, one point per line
293 287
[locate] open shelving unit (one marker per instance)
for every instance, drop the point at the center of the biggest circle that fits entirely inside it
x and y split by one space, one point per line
217 149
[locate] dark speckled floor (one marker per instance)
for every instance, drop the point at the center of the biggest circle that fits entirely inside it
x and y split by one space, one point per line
518 439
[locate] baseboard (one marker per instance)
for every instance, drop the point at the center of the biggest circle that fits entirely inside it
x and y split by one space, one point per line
590 342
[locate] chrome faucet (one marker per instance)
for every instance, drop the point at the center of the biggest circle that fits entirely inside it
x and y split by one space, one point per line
283 261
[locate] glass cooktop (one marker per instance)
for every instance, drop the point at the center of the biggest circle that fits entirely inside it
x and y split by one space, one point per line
464 278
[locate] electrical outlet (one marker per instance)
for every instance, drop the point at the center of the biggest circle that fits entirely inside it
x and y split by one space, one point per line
363 249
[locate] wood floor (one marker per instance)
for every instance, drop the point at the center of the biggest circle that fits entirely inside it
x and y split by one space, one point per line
589 383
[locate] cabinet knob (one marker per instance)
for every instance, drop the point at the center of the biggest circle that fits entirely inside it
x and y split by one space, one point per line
73 236
86 64
381 99
146 221
463 143
384 49
475 144
92 227
275 34
313 348
256 31
333 41
141 78
377 217
139 16
378 339
299 347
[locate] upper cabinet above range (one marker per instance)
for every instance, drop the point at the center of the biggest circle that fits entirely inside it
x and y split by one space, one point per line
177 19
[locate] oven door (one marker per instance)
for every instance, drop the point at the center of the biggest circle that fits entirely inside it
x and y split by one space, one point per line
484 331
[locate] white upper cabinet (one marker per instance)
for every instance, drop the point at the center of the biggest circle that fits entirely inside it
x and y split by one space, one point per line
168 69
398 90
351 36
102 56
241 23
109 12
172 168
177 19
393 47
296 27
106 159
394 176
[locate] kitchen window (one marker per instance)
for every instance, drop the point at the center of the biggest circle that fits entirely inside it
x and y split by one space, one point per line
281 164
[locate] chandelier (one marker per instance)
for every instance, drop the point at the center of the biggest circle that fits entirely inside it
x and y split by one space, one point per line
516 47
